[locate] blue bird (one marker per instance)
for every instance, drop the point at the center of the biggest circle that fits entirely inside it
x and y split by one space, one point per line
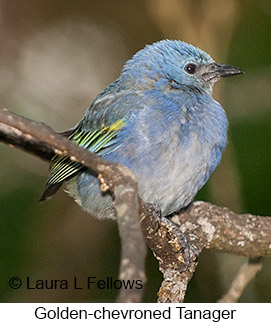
160 120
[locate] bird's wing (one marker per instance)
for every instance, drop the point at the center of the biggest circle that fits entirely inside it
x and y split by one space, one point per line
97 141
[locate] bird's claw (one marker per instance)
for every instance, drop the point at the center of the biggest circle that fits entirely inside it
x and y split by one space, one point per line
186 252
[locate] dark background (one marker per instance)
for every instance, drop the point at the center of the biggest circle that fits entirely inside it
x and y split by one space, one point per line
55 57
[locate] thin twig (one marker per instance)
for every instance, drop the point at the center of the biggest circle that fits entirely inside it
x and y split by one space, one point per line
244 276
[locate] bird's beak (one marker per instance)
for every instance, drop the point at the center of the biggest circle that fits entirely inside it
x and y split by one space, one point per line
214 71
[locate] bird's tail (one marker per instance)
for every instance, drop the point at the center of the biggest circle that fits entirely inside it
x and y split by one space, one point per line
49 191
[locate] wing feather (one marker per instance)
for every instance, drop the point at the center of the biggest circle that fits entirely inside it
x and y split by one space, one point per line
62 168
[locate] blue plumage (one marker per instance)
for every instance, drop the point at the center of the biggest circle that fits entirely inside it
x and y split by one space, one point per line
170 131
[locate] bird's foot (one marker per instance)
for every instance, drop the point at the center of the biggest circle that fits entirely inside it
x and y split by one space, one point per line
185 251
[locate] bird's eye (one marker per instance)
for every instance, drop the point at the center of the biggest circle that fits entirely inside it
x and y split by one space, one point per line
190 68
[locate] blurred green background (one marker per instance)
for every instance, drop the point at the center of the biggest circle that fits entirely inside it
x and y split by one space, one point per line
55 57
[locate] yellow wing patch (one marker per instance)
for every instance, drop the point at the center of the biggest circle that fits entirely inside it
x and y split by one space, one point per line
63 168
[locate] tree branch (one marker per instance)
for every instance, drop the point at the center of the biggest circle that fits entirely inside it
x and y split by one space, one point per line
205 225
42 141
218 228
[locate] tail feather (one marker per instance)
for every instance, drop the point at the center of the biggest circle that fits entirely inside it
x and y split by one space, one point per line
49 191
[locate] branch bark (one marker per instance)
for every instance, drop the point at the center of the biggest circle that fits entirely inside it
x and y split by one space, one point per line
205 225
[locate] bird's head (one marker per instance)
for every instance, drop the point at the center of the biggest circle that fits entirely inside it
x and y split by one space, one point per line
175 64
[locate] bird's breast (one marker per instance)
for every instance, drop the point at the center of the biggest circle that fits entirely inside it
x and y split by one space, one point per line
174 163
173 153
